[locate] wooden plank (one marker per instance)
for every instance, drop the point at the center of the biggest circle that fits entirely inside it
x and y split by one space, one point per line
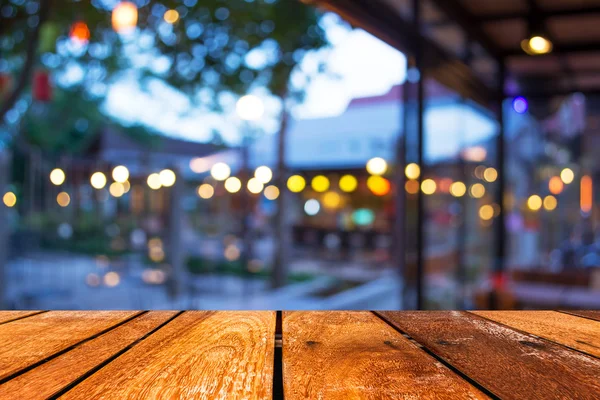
579 333
7 316
27 341
53 376
351 355
586 314
200 354
510 364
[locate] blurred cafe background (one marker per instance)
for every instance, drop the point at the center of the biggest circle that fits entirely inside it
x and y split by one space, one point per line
287 154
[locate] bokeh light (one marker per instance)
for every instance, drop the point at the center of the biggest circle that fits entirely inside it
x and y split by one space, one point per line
296 183
120 173
9 199
363 217
112 279
124 17
332 200
378 185
520 105
348 183
98 180
116 189
428 186
153 181
206 191
167 177
220 171
312 207
550 203
458 189
477 191
412 171
255 186
271 192
567 175
490 174
80 33
171 16
250 108
534 202
412 187
57 176
377 166
233 184
555 185
486 212
263 174
320 183
63 199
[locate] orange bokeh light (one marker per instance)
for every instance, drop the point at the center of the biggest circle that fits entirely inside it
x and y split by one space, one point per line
378 185
556 185
587 194
80 32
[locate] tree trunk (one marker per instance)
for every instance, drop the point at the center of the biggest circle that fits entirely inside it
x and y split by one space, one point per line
282 234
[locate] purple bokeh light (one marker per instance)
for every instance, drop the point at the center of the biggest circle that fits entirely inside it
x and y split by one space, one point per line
520 105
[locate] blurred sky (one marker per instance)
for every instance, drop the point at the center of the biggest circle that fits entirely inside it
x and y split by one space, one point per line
362 65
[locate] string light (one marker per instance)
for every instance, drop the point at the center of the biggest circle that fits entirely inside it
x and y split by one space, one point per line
120 173
167 177
486 212
378 185
263 174
98 180
412 171
348 183
428 186
124 17
534 202
57 176
206 191
255 186
9 199
490 174
80 33
555 185
233 184
377 166
458 189
567 175
550 203
332 200
171 16
220 171
116 189
153 181
271 192
63 199
296 183
477 191
320 183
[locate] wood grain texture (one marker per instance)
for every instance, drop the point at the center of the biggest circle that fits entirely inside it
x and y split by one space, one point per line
579 333
7 316
204 355
49 378
510 364
355 355
27 341
586 314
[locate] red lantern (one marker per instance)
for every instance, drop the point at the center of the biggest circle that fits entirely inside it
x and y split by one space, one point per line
80 32
42 90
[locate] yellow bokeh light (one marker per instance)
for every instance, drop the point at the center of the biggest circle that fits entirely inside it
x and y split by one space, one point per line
490 174
477 191
206 191
534 202
167 177
63 199
412 171
550 203
57 176
124 17
332 200
255 186
220 171
153 181
428 186
320 183
537 45
296 183
378 185
171 16
412 187
233 184
348 183
9 199
486 212
126 186
120 173
271 192
116 189
567 175
98 180
377 166
458 189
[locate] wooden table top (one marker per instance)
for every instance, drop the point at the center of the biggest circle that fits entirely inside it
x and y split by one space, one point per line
299 355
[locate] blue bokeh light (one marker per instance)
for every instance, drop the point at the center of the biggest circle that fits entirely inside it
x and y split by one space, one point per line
520 105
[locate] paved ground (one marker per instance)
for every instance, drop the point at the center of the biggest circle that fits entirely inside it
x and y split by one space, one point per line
64 281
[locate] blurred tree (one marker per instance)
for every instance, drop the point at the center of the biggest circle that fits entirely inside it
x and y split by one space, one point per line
203 48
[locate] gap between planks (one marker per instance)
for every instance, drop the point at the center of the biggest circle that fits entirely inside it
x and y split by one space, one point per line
25 315
67 349
451 367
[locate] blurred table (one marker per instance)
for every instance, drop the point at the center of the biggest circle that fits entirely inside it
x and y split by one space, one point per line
299 354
